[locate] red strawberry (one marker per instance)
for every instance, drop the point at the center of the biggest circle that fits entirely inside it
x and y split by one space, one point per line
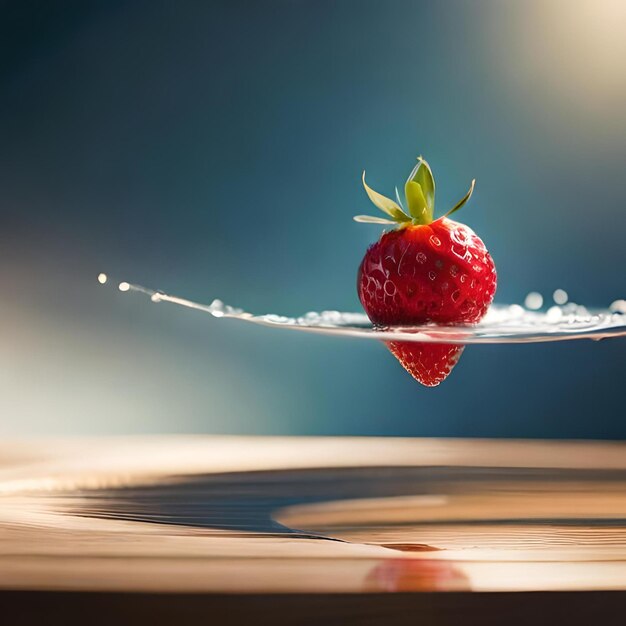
424 271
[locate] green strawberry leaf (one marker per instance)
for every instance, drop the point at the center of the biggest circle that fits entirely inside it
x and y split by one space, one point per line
419 191
418 207
368 219
399 199
423 176
463 200
385 204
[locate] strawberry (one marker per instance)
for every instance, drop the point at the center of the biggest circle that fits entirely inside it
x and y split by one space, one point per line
425 271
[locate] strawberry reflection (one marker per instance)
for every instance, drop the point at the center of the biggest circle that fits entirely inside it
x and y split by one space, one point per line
396 575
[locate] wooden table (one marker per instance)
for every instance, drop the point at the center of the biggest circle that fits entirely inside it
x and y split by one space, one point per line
312 530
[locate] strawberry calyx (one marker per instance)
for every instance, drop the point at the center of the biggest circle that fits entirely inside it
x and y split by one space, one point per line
419 194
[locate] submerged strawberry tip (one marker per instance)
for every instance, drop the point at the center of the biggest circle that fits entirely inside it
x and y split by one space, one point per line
426 270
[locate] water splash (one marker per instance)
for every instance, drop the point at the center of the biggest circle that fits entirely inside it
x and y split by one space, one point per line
503 323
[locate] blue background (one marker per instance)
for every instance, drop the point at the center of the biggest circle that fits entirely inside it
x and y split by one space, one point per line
214 149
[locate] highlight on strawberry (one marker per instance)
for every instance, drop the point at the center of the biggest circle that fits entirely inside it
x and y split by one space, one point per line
425 270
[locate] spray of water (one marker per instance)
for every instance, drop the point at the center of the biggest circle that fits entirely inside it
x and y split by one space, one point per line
511 323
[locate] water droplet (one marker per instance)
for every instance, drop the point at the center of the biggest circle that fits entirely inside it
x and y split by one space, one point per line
124 286
533 301
420 257
435 241
458 235
560 296
102 278
432 275
216 308
553 314
390 288
619 306
459 251
454 270
456 295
